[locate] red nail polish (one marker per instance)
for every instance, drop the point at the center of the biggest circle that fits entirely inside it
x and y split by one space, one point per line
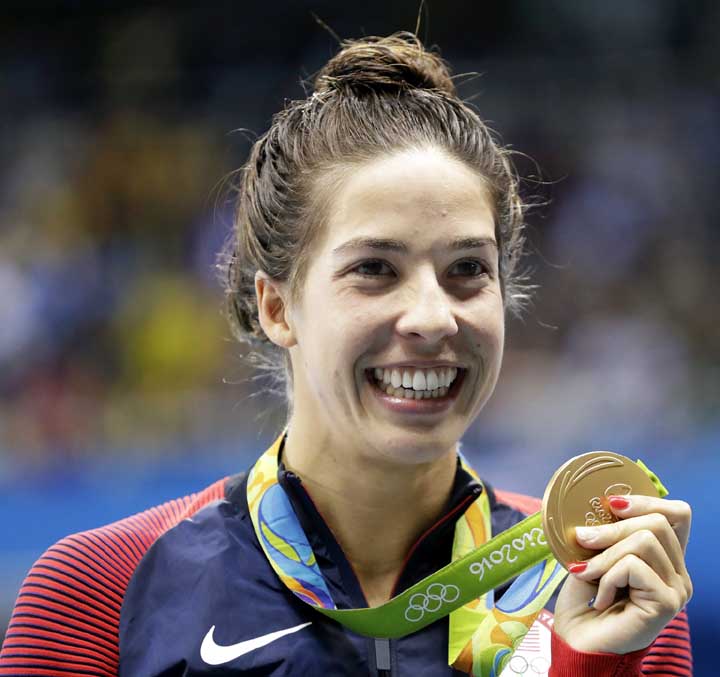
577 567
619 503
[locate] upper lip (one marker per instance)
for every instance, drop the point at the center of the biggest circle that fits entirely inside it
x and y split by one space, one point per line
419 364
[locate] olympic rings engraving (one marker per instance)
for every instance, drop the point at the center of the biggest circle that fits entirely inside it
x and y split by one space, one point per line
430 601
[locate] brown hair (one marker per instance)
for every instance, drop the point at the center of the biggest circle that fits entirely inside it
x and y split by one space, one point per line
378 95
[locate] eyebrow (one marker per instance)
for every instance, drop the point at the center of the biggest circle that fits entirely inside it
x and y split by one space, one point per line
388 244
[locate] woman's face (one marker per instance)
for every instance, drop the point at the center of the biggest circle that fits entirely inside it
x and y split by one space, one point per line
402 286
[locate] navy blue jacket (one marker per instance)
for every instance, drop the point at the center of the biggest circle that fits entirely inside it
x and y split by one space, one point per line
141 598
210 571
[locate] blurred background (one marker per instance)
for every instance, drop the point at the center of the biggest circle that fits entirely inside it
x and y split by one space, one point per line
120 386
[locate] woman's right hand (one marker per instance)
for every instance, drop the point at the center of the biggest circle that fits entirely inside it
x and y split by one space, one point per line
644 553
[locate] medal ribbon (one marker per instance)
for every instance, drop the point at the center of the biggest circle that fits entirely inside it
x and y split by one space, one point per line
482 635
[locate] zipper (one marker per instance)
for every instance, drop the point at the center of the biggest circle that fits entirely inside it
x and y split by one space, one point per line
380 648
382 657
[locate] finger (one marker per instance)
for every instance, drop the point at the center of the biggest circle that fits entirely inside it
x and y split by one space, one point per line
678 513
643 544
647 590
606 535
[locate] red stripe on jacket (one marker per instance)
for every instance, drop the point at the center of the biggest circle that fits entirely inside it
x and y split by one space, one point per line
67 615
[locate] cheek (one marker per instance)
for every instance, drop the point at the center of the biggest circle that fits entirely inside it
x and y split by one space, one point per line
356 321
487 321
499 332
498 345
337 333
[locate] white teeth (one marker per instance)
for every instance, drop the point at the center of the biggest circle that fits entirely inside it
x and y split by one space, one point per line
416 379
409 394
418 382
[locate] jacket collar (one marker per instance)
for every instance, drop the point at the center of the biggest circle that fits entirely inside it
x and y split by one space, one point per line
431 551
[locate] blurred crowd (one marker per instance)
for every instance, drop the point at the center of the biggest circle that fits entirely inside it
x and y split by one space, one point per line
112 210
101 301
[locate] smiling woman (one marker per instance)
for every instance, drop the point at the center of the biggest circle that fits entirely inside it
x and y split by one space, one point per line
375 256
433 301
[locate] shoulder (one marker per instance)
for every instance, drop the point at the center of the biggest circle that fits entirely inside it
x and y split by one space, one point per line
527 505
67 613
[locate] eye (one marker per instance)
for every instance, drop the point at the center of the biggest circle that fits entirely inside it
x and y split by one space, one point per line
466 268
373 268
469 268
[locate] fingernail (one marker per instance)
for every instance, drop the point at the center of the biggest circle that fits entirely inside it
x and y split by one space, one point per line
591 602
577 567
586 533
619 502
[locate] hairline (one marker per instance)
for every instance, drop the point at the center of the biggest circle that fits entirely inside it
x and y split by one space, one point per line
330 180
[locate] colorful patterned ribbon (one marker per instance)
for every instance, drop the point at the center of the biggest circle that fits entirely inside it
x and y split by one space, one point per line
482 635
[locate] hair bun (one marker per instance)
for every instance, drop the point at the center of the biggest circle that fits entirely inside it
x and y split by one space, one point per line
393 63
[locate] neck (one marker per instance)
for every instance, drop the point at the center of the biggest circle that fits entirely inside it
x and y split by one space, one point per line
376 509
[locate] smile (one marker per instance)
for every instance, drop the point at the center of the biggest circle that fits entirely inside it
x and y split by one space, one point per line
409 389
414 383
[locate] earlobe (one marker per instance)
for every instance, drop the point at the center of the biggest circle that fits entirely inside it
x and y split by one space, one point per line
273 310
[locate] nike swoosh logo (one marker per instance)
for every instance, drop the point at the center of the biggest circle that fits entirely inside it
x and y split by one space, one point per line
214 654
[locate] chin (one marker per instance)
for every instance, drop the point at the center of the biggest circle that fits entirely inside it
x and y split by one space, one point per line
414 448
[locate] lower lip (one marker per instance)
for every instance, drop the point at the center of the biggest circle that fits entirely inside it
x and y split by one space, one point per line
430 405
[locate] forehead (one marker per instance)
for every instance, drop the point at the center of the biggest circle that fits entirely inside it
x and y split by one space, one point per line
419 195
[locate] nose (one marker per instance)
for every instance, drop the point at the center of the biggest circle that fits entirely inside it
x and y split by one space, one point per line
428 311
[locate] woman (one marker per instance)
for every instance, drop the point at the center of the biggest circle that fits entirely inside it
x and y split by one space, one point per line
377 238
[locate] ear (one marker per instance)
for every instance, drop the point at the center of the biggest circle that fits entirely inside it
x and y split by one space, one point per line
273 310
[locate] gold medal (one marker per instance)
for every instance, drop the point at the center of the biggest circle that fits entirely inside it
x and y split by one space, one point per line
577 495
